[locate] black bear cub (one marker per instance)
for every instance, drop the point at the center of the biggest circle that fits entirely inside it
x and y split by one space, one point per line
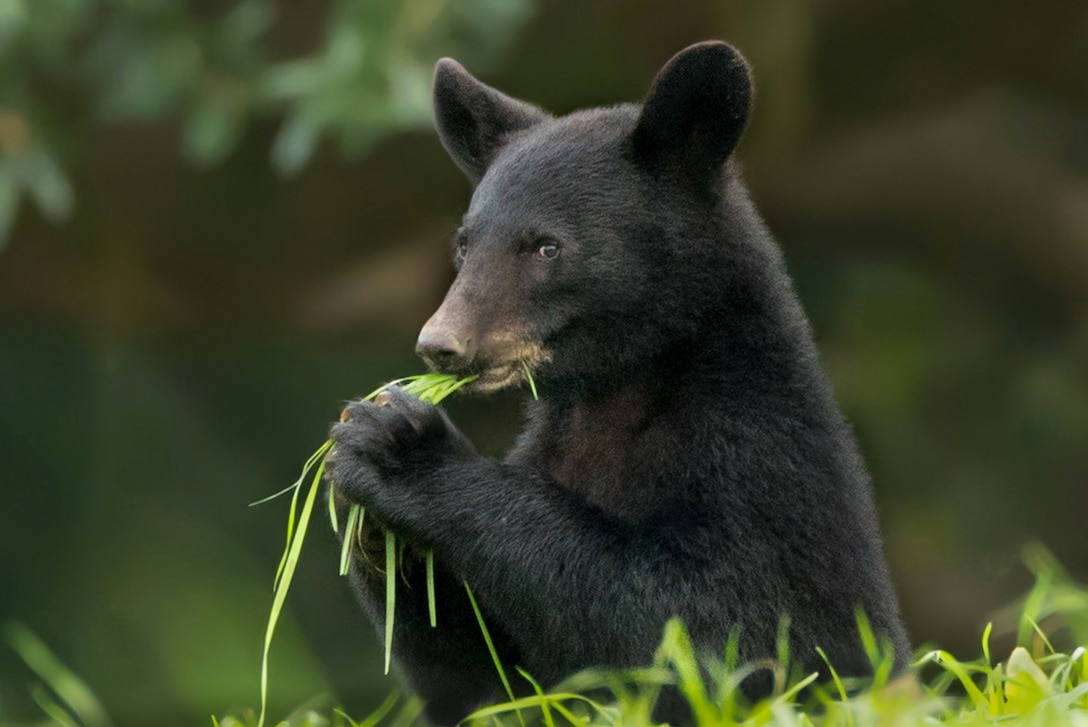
686 456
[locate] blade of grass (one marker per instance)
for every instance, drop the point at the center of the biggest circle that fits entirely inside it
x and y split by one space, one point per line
782 649
71 690
1033 605
409 713
951 664
359 527
544 703
1040 633
680 651
868 638
290 535
319 457
390 592
430 589
839 686
349 534
301 478
52 709
562 709
555 700
332 513
387 384
789 694
376 716
529 376
490 644
290 562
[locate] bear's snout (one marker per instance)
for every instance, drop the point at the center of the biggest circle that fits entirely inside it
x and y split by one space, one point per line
443 349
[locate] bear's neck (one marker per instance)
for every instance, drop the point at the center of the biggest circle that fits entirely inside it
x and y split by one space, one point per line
627 447
589 444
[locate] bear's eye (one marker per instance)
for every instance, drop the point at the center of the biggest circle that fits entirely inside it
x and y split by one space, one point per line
548 250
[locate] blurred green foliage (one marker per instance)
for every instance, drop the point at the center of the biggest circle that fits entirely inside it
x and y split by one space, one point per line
67 65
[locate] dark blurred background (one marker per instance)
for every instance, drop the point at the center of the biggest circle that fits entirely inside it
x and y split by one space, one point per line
222 219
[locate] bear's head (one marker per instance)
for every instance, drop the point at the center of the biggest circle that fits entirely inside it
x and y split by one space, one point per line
594 241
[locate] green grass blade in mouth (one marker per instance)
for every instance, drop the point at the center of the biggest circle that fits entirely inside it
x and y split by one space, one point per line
529 377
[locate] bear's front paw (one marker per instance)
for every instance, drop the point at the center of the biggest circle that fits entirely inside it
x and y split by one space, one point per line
386 451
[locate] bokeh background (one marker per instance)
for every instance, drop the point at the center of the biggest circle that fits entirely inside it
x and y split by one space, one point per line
222 219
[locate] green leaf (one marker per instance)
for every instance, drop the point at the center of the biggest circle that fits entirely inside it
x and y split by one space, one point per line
211 132
294 145
47 186
13 19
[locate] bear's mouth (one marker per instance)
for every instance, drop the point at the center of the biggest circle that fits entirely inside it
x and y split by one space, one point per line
489 377
512 367
497 377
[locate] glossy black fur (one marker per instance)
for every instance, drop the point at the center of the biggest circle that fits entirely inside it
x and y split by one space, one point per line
687 456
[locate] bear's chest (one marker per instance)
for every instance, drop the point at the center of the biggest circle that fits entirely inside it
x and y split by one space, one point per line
599 452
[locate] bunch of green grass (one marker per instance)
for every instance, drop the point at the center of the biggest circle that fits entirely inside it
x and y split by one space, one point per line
431 388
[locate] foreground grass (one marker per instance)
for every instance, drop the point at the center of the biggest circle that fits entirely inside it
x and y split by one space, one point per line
1047 690
1043 683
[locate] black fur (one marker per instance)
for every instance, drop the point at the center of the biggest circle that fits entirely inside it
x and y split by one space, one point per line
687 456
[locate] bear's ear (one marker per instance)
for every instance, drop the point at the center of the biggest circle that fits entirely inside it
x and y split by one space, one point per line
474 119
694 113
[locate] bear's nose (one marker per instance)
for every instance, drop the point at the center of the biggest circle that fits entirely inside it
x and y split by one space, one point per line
443 350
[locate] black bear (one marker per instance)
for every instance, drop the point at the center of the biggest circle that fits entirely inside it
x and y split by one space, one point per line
686 456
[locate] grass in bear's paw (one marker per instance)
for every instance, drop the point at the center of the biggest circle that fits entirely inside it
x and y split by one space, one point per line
431 388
